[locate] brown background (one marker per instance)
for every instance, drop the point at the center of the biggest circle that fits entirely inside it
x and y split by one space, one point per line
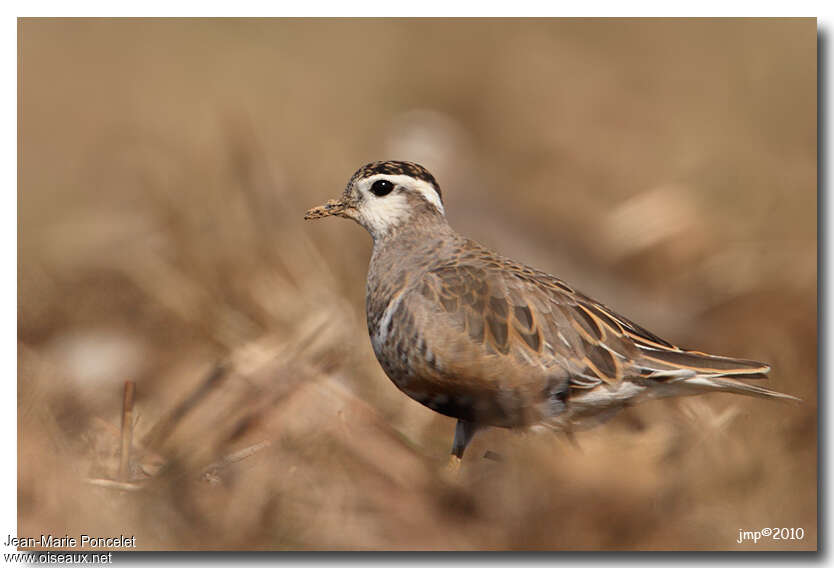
667 168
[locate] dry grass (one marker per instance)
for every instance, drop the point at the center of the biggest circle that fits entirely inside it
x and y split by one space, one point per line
666 168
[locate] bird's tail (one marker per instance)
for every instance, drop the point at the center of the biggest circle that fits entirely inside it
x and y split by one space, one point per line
664 373
698 384
692 372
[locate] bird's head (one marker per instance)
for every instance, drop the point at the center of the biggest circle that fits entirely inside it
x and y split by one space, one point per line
383 196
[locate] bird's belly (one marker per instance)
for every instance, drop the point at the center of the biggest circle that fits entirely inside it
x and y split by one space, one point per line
435 373
412 367
589 408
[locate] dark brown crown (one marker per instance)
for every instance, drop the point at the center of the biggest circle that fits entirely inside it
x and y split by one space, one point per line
395 168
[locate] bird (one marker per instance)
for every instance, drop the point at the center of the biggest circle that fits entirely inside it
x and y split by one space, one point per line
492 342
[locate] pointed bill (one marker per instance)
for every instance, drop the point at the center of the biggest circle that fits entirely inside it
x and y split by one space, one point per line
332 207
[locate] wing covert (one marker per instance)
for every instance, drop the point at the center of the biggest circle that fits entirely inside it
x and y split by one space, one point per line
513 311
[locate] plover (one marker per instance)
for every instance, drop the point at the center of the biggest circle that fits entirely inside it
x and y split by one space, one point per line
491 342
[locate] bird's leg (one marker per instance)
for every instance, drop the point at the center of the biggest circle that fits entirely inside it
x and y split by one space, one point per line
464 432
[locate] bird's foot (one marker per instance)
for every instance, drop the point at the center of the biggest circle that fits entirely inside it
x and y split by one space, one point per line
453 466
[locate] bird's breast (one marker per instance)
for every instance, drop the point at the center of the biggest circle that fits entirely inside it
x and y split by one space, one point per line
393 334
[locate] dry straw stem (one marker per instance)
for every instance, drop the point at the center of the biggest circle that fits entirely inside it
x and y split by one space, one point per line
127 430
163 428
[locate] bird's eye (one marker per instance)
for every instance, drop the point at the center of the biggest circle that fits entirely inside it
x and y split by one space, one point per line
382 187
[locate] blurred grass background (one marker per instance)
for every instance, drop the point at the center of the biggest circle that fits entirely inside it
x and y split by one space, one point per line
665 167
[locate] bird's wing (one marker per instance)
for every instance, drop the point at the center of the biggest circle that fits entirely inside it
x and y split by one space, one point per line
515 311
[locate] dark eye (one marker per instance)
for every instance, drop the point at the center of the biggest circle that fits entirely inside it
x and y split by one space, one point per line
382 187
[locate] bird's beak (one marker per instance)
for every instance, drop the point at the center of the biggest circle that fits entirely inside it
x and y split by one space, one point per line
332 207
